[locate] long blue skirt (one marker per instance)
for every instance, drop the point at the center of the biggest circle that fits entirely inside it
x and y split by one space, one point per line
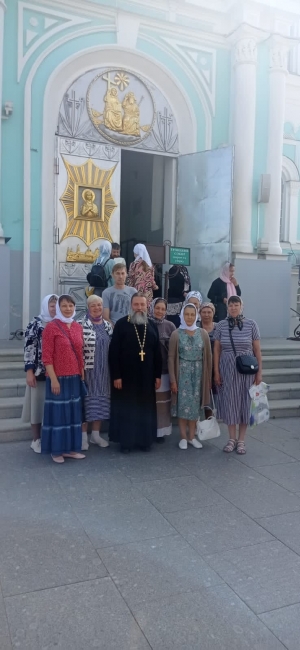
61 432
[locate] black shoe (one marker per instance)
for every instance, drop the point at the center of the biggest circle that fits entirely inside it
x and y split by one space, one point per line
160 440
125 450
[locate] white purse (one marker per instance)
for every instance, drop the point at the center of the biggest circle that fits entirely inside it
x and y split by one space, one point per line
209 429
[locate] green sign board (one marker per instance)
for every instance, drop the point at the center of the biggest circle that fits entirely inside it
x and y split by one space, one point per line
180 256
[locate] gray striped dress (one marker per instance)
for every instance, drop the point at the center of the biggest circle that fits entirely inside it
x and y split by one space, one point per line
97 402
233 395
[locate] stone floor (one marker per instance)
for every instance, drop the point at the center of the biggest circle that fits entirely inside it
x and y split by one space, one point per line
170 550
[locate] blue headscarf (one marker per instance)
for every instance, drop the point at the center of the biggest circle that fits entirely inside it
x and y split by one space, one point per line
105 253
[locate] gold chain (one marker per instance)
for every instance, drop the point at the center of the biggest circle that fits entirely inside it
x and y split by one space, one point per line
142 345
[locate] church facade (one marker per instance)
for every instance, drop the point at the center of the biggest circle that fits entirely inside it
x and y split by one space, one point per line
168 122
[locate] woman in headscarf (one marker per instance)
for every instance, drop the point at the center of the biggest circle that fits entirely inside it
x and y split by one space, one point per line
157 313
141 273
63 359
233 387
179 286
222 289
33 408
190 368
194 298
97 335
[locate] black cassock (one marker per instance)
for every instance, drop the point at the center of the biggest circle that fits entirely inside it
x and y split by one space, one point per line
133 409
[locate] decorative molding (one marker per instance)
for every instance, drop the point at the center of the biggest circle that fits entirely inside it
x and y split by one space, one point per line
290 170
245 51
74 147
36 25
279 58
201 64
292 132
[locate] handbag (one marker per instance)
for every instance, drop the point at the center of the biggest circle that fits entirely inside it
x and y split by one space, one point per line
246 364
208 429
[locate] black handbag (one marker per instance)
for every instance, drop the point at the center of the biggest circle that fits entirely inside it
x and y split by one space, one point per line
246 364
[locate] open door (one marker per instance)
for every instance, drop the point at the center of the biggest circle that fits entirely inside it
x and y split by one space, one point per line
204 211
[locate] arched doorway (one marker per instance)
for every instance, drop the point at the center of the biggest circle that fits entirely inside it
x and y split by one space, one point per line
162 141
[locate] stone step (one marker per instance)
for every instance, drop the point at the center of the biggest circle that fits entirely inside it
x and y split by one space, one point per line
14 430
7 355
281 361
284 348
12 387
284 391
10 407
285 408
281 375
11 370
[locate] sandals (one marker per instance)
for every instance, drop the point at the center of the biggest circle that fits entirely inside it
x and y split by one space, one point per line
240 448
58 459
230 446
74 454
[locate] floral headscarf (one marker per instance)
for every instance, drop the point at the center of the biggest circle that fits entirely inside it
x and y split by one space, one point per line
193 294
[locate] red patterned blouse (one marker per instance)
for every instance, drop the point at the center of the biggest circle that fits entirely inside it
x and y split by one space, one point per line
57 350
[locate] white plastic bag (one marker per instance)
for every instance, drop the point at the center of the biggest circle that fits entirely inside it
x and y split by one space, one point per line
209 429
259 410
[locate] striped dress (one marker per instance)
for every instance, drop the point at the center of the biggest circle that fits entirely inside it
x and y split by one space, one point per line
97 403
233 395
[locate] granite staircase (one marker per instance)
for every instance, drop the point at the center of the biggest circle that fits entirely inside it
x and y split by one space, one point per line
281 370
12 390
281 364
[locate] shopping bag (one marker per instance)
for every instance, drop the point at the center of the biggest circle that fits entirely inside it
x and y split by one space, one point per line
209 429
259 410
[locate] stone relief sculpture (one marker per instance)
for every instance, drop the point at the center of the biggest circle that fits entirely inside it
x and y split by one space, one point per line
117 107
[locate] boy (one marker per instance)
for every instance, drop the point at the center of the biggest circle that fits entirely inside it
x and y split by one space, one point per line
116 299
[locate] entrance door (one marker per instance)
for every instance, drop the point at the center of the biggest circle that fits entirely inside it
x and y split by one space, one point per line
204 212
142 200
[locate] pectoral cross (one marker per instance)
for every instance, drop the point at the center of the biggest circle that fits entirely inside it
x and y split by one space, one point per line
142 354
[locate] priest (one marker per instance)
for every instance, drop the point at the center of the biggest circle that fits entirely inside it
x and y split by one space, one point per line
135 368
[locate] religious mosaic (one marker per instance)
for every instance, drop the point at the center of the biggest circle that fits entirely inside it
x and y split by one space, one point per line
116 108
88 202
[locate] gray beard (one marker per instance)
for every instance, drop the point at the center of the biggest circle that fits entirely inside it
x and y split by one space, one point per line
137 318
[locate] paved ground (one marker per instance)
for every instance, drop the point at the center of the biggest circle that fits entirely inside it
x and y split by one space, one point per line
172 550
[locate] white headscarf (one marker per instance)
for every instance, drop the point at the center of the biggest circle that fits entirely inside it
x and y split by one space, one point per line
44 315
141 253
105 253
183 325
62 318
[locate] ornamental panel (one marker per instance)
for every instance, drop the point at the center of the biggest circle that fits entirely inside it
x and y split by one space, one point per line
115 106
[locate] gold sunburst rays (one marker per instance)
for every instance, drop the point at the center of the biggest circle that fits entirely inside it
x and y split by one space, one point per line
88 221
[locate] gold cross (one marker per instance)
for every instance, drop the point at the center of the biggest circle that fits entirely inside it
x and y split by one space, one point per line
142 354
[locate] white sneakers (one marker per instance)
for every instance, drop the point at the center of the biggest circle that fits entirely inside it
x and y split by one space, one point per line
84 441
96 439
36 446
195 443
183 444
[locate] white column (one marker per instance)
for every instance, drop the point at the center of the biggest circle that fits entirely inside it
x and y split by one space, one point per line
277 86
245 60
2 12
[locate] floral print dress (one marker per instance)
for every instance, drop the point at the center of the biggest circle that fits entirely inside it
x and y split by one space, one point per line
142 281
190 375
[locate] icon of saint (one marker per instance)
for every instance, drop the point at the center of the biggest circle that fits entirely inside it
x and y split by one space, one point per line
89 209
113 110
131 119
